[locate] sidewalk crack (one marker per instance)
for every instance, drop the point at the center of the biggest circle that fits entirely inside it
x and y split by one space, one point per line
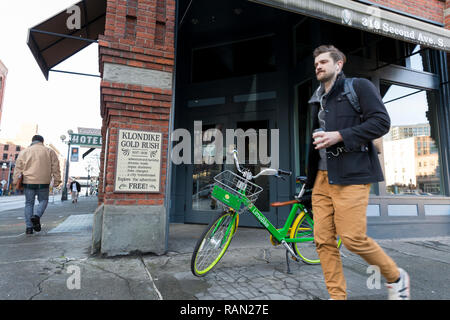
52 261
39 286
151 279
118 276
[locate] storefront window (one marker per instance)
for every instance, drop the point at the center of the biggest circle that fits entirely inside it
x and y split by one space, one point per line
419 59
411 155
233 60
408 55
308 31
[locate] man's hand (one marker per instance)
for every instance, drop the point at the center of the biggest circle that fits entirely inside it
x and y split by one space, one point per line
323 139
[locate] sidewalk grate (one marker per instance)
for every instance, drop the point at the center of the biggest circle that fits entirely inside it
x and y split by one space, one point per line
75 223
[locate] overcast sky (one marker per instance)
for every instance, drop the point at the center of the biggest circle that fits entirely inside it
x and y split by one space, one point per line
64 101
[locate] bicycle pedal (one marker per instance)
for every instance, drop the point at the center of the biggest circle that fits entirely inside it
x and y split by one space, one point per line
295 259
274 242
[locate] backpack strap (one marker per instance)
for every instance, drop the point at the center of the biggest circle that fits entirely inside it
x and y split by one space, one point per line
350 93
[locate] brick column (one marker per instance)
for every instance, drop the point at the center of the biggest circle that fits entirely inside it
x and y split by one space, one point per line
447 26
447 14
136 64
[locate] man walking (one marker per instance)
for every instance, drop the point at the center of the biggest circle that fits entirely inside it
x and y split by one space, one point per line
75 189
38 165
341 166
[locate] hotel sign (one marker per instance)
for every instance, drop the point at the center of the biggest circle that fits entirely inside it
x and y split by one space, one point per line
138 162
86 140
369 18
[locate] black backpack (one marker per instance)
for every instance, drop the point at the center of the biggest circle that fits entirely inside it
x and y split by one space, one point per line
350 93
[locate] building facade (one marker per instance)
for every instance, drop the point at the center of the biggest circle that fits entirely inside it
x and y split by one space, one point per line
170 67
9 152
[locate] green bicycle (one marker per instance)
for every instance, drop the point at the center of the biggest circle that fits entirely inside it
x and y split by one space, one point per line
237 193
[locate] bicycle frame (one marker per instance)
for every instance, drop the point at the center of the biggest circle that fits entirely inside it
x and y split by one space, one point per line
283 233
278 234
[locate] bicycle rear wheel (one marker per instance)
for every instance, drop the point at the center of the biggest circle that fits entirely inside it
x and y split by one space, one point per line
213 243
306 249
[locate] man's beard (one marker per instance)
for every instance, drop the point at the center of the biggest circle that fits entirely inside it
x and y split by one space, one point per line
325 77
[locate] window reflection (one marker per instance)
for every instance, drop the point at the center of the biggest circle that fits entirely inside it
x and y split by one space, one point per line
262 203
411 157
203 175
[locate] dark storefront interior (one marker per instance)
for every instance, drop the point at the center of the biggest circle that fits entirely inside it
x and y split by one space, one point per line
246 65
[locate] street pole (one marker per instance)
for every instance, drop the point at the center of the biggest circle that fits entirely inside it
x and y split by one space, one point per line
88 183
9 176
3 178
64 193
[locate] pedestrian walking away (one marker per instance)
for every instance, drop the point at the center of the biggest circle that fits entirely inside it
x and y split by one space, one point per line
75 189
39 167
342 164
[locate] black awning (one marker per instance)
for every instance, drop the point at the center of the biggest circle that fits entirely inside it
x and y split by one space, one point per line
57 38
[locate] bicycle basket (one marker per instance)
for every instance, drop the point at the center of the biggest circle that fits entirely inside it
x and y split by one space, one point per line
234 191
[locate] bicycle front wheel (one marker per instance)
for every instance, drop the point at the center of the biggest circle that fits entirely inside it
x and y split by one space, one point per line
213 243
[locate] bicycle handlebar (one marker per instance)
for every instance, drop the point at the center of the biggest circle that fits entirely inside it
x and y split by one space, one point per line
269 171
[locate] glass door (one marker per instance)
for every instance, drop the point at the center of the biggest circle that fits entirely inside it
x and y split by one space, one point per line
203 174
200 207
256 121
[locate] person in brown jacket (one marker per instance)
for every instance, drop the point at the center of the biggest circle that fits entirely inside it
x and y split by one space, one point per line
39 165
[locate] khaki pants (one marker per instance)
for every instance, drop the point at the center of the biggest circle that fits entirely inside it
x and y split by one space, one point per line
341 210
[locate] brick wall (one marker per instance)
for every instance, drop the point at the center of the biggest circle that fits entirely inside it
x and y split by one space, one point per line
447 26
447 14
138 34
11 153
428 9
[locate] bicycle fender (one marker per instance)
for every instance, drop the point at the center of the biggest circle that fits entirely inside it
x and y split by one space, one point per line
237 223
296 222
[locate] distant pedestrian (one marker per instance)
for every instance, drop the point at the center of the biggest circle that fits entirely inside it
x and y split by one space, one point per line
39 165
75 188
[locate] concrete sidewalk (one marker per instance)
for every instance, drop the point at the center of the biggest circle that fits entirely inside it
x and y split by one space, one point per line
48 265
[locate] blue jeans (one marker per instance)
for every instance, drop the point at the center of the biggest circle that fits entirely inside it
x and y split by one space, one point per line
30 196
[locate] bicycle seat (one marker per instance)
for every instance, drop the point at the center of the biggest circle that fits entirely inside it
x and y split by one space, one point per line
282 204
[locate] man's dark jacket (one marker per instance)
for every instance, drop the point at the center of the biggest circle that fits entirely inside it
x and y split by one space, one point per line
359 164
78 186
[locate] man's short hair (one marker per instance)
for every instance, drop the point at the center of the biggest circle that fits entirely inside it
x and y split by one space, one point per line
37 138
335 53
